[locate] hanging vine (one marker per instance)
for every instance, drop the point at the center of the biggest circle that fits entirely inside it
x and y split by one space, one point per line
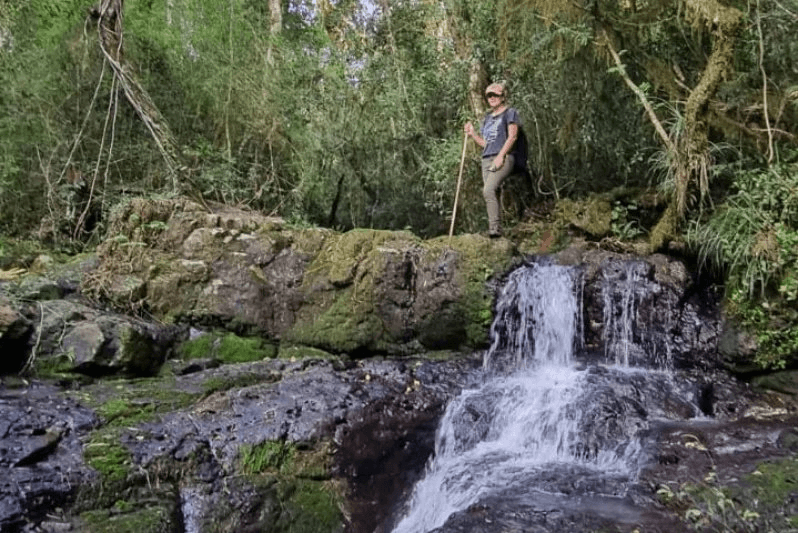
109 16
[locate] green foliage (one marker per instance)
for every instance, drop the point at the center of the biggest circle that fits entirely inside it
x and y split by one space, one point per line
763 503
625 224
774 324
228 348
753 239
350 117
277 456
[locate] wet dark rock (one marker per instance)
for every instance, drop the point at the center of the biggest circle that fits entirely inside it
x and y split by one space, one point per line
674 320
383 451
538 512
15 330
40 452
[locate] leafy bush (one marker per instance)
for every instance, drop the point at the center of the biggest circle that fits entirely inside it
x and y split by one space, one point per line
753 240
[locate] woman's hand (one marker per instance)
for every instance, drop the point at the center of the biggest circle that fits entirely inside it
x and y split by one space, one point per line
469 129
498 163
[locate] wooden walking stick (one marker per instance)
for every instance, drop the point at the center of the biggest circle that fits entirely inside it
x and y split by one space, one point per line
459 180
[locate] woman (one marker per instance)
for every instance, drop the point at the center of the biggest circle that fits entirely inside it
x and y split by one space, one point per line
497 137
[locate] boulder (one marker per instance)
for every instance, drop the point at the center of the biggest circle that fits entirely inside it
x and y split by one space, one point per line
646 311
70 336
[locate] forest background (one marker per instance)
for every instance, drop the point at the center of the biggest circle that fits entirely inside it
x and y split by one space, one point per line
349 113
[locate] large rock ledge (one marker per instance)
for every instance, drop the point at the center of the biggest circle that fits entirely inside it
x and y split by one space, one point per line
361 292
177 265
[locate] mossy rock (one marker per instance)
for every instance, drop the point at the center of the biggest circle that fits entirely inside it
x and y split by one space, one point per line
290 491
125 519
340 289
593 216
227 348
785 382
480 261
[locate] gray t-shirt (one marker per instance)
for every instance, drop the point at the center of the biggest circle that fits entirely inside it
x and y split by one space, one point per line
494 130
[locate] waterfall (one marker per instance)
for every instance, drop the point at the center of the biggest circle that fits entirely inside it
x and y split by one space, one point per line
526 424
538 316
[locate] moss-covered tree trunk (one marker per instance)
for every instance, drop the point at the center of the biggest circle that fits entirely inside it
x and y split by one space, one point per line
722 22
692 160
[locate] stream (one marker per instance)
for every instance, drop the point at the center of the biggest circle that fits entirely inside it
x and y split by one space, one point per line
543 429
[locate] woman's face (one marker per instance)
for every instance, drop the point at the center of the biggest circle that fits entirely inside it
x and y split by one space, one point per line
495 97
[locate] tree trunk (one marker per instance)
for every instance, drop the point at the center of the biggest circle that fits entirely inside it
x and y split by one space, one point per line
275 26
723 23
454 18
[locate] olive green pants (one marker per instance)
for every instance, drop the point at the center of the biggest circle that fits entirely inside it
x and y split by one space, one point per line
491 180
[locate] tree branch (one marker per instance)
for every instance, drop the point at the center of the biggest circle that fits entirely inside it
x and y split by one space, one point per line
652 115
770 153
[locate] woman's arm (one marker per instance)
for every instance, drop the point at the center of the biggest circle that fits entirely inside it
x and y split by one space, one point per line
469 129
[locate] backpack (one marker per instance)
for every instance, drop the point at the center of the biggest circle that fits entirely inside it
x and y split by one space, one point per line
520 153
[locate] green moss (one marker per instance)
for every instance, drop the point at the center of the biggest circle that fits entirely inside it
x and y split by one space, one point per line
55 367
199 348
311 507
108 457
775 482
235 349
346 325
229 348
152 519
480 259
297 474
344 283
340 288
120 412
275 456
593 215
128 403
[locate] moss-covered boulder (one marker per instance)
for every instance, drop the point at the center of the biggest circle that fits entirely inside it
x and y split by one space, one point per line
71 337
360 292
592 216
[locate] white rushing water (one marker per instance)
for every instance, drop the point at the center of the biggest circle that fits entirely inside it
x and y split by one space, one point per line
493 437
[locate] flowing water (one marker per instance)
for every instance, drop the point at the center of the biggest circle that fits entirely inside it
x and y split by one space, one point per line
540 420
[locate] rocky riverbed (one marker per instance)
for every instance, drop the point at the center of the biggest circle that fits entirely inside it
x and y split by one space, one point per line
210 372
